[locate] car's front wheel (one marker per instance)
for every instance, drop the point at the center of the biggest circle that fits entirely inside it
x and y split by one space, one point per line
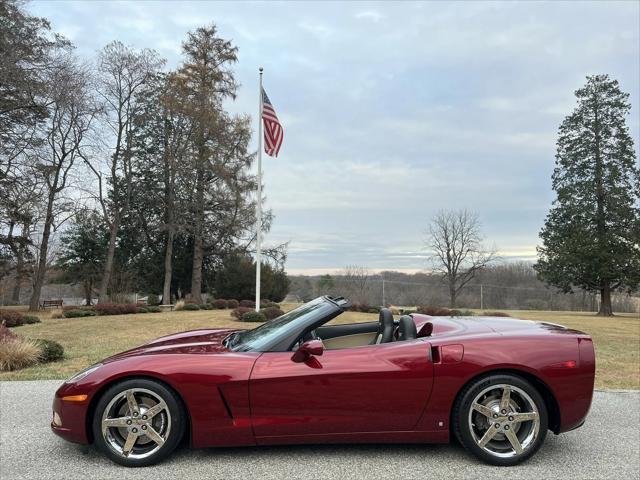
501 419
138 422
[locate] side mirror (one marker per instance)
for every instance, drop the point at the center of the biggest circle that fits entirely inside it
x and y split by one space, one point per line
307 350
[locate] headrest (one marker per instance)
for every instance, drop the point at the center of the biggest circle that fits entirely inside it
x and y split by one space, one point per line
407 328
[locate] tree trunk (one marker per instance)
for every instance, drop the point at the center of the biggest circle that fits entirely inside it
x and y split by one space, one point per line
168 268
88 290
452 295
196 276
601 226
34 303
169 205
605 302
198 240
103 293
15 295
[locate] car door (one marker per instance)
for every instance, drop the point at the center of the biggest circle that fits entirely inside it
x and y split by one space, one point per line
372 388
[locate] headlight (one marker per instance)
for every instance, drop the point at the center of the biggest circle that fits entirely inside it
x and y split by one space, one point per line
80 375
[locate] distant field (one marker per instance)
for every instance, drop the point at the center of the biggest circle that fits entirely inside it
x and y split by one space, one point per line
88 340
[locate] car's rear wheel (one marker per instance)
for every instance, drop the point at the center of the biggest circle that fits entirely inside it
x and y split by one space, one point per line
501 419
138 422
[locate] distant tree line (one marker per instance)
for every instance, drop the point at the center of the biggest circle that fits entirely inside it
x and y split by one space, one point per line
118 174
506 285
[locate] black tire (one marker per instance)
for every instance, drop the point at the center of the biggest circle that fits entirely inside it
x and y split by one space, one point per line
463 430
176 418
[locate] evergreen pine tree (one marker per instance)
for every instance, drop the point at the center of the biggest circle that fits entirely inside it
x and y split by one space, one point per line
591 237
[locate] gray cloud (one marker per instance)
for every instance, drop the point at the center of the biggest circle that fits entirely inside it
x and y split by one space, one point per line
394 111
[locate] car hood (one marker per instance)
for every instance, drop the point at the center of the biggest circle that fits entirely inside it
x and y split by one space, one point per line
192 342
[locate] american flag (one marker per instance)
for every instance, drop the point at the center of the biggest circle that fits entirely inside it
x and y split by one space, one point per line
273 132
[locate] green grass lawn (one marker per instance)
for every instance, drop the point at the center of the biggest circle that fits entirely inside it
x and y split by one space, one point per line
89 339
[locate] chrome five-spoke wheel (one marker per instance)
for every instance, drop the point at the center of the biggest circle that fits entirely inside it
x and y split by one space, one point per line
138 422
502 419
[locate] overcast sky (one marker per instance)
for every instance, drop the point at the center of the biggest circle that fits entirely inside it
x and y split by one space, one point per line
393 111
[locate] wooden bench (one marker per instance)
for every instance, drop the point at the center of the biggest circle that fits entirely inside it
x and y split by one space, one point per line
51 303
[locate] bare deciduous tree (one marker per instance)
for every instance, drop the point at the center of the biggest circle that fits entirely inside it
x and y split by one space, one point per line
71 115
356 278
455 239
122 73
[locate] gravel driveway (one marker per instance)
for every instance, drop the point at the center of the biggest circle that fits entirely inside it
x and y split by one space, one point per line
607 446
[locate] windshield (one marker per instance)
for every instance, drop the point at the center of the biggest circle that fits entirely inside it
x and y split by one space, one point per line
258 337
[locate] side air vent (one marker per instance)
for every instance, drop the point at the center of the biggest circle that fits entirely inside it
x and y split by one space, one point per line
224 402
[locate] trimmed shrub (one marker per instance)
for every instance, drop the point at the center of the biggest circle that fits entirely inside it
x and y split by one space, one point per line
495 314
91 308
79 313
233 303
271 312
154 309
434 311
153 299
361 307
179 304
30 319
465 313
253 316
50 351
18 352
220 304
191 306
240 311
247 303
5 333
11 318
206 306
116 308
57 314
142 310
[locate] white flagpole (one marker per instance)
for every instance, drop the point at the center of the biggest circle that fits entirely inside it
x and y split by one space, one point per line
259 200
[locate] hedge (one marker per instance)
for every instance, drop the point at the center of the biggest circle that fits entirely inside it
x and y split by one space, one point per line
240 311
79 313
434 311
220 304
253 316
190 307
271 312
116 308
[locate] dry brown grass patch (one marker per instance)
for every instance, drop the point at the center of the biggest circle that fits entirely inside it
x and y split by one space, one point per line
17 353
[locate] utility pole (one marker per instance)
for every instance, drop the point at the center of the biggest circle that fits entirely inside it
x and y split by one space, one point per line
481 297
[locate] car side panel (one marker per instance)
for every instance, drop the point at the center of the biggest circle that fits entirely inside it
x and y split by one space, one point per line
544 356
375 388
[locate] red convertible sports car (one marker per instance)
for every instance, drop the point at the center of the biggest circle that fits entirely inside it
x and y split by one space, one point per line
496 384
